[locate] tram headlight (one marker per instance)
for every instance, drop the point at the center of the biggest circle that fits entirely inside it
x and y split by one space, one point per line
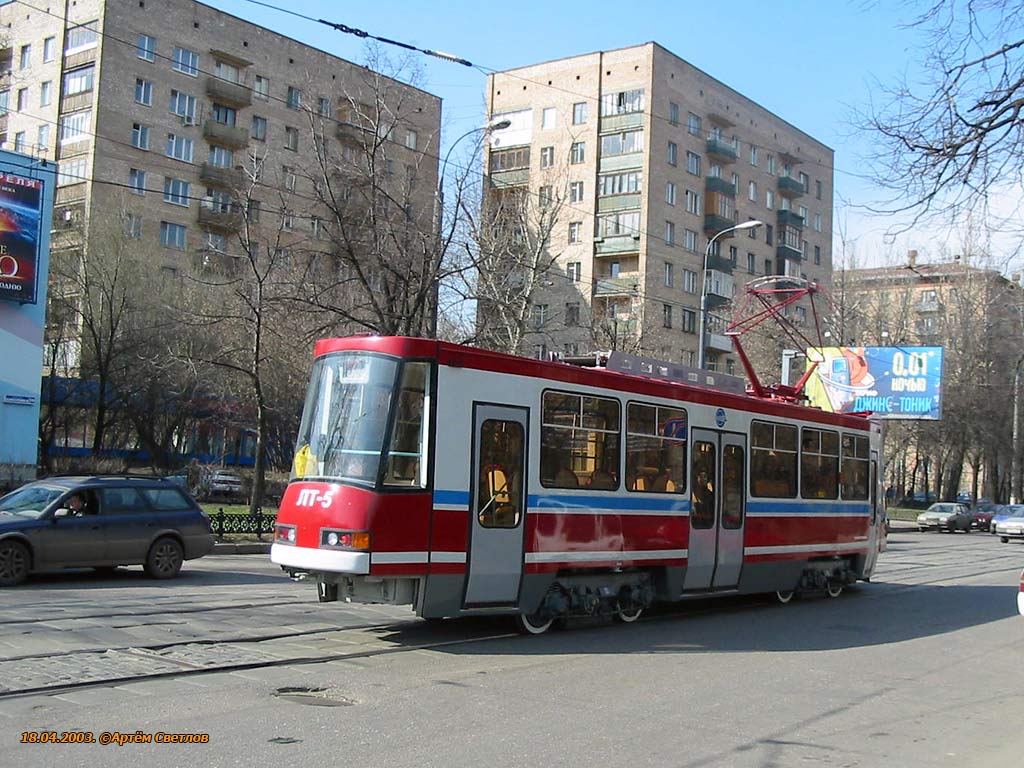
345 539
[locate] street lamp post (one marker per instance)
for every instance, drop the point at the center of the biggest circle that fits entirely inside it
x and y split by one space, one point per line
701 337
492 125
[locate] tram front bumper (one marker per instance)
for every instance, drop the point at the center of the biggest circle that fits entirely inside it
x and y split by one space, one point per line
308 560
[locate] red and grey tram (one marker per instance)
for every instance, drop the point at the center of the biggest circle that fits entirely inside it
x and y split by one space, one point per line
464 482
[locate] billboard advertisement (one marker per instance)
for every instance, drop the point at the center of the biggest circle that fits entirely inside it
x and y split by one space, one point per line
892 382
20 216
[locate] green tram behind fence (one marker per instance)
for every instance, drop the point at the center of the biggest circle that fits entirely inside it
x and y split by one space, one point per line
224 524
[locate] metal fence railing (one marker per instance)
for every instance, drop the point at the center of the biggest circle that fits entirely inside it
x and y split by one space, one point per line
259 524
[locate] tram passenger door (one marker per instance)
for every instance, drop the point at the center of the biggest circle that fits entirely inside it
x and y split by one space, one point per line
717 510
497 505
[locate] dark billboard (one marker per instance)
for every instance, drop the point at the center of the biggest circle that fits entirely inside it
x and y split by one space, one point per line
20 205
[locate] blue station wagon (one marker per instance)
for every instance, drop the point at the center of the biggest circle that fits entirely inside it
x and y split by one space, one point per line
100 522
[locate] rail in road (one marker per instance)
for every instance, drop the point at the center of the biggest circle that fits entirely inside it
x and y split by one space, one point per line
935 560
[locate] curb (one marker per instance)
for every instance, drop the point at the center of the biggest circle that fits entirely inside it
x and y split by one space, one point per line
244 548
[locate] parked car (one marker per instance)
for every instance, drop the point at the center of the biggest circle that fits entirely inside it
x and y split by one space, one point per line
224 484
1011 527
982 515
1007 511
945 515
100 522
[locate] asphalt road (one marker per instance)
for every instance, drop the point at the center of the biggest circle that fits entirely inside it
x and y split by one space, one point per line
922 667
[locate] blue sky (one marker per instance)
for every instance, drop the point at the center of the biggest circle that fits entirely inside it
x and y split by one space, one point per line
809 61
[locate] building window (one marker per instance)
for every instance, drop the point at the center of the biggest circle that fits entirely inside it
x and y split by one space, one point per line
511 159
572 314
752 190
768 266
294 100
805 181
575 231
43 138
670 233
668 274
176 192
221 157
291 139
185 61
693 202
817 189
25 60
137 181
289 178
693 163
690 240
623 143
5 98
673 153
261 87
140 136
539 315
547 157
769 199
258 130
545 196
579 113
80 38
666 315
768 234
180 147
79 80
548 117
578 152
143 92
817 254
693 124
72 172
770 161
574 271
146 48
20 140
224 115
133 226
22 100
45 93
172 235
734 255
576 192
753 155
623 102
688 324
817 222
49 49
411 140
323 108
616 224
673 113
183 105
75 127
670 193
689 281
227 72
288 221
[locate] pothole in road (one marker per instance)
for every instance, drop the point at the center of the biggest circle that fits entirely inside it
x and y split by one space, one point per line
314 697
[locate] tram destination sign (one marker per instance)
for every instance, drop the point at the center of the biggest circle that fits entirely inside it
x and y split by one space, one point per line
891 382
21 201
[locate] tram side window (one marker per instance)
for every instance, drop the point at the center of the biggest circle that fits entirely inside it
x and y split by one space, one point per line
854 476
773 462
407 449
819 464
579 438
655 449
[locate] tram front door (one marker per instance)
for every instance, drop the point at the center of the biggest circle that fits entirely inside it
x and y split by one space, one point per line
497 505
717 510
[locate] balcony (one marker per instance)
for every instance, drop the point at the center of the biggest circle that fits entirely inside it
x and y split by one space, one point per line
718 342
784 251
720 263
790 187
713 224
928 305
231 94
231 178
209 262
624 285
790 219
720 186
721 150
616 246
225 135
624 122
626 202
216 218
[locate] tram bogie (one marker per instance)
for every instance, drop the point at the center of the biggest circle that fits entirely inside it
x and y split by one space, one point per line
462 482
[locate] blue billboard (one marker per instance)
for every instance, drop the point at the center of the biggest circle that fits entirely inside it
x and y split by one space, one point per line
892 382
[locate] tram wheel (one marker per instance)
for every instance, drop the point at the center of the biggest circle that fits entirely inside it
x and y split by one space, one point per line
785 595
628 615
533 625
834 589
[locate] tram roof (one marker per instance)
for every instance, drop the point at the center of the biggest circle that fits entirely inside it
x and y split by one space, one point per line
460 356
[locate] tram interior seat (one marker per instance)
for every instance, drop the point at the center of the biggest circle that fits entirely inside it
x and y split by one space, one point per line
498 512
663 484
566 478
603 480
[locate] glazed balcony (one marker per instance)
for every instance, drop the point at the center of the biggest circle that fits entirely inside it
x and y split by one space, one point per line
616 246
624 285
720 186
721 150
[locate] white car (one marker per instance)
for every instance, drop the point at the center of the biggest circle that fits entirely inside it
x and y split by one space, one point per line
1010 528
